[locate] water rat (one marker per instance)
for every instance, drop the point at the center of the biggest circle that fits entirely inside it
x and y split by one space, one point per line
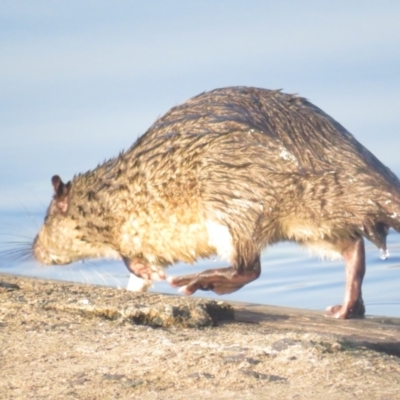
228 172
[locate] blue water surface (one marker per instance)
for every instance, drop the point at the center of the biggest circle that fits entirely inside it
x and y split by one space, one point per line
291 277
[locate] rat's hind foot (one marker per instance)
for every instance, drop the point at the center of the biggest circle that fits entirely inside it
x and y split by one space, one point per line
220 280
353 251
357 311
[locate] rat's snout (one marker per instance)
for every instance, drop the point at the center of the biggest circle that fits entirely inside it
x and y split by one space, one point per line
41 253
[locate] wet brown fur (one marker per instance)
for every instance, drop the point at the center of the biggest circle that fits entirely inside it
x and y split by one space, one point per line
267 165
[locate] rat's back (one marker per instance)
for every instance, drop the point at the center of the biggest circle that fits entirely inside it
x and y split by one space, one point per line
270 166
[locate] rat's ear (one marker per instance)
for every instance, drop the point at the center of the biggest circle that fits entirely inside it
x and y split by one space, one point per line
61 192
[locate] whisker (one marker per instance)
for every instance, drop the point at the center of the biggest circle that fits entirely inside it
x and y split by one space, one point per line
15 243
23 241
12 258
100 276
93 275
83 279
86 276
18 249
18 231
114 278
92 281
17 246
105 273
30 216
15 251
40 201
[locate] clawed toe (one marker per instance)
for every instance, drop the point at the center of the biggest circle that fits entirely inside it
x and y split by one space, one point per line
172 282
341 312
219 281
184 290
157 276
334 312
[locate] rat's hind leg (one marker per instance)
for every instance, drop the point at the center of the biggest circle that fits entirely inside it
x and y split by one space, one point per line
219 280
353 252
240 249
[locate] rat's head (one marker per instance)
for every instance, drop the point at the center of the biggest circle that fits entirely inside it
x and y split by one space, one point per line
58 240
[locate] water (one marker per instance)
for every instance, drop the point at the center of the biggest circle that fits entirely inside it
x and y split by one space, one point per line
290 276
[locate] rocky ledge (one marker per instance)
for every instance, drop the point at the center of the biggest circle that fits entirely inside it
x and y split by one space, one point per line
62 340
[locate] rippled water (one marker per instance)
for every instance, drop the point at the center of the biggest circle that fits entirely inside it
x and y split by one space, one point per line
290 276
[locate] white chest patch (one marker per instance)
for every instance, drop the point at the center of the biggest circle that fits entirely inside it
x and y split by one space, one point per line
323 250
220 238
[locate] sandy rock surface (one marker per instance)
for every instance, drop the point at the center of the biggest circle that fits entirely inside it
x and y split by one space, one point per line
60 340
